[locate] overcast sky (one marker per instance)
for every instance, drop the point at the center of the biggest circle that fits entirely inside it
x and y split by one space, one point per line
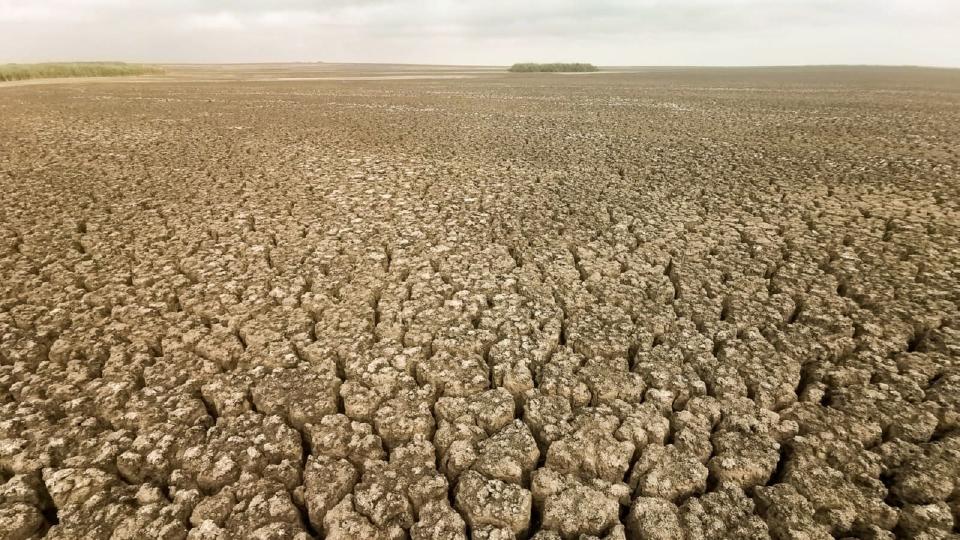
606 32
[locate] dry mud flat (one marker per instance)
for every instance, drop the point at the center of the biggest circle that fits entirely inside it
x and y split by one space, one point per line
693 304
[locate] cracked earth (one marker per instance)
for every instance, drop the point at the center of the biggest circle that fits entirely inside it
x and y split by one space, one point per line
694 304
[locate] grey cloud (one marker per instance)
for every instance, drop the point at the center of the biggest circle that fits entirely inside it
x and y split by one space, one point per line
489 32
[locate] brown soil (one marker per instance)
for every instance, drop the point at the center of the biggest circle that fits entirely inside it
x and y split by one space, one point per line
656 303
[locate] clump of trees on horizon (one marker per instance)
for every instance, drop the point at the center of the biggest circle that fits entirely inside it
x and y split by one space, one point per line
16 72
552 68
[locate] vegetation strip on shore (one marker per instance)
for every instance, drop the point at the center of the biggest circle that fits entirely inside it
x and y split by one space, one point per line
552 68
17 72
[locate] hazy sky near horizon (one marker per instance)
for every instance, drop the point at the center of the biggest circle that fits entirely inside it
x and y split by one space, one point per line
493 32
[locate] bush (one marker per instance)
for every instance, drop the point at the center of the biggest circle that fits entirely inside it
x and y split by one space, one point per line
16 72
552 68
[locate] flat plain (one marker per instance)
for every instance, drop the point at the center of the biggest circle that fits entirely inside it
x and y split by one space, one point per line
388 302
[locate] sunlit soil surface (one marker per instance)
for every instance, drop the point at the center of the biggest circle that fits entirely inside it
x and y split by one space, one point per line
657 303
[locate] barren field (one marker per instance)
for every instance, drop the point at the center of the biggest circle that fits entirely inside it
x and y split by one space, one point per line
389 303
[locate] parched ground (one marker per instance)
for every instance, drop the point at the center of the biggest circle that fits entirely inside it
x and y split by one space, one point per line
650 305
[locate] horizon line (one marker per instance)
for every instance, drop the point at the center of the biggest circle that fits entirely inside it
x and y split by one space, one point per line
387 63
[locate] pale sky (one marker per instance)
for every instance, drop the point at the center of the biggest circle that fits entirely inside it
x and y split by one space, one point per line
490 32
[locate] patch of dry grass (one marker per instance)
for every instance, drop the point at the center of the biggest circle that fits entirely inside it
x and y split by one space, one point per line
16 72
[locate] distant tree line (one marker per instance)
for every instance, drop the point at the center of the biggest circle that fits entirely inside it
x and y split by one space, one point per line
552 68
